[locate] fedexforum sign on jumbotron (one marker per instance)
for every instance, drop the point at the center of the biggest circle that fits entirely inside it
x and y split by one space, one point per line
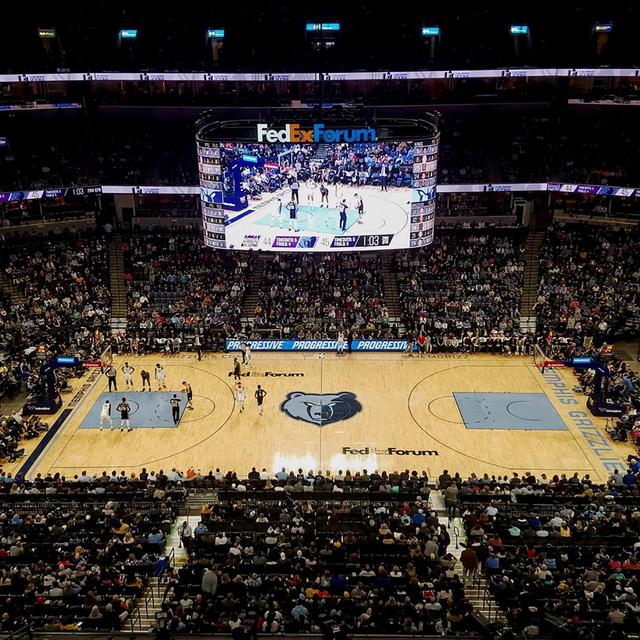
319 133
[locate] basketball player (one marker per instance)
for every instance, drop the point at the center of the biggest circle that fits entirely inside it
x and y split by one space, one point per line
293 215
260 395
247 354
341 343
359 208
159 375
276 215
243 350
175 408
236 369
146 380
187 389
324 195
311 187
127 371
124 408
105 415
241 396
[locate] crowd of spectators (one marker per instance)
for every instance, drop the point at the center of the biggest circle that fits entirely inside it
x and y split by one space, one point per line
600 150
60 305
531 147
463 292
589 282
366 561
344 553
462 142
315 296
338 164
475 211
63 282
178 289
77 553
146 147
362 164
311 552
62 149
241 178
14 428
558 552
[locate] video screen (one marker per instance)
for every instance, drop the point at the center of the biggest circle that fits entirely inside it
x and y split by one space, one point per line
318 197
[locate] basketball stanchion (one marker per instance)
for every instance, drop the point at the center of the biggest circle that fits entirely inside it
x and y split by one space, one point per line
542 361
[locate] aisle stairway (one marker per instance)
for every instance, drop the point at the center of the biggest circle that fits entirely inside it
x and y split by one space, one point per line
196 501
391 291
118 287
150 603
535 240
476 589
251 293
6 286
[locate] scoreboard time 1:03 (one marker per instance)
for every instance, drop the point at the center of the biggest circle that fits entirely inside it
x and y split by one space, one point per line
375 241
86 191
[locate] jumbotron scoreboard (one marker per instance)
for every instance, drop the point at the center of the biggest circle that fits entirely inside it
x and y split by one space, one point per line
336 185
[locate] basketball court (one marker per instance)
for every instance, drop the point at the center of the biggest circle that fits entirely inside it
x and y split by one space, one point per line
148 410
480 413
385 212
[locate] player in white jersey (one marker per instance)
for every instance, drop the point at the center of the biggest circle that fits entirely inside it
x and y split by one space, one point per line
341 343
276 215
105 415
247 355
241 396
359 207
311 189
127 371
160 379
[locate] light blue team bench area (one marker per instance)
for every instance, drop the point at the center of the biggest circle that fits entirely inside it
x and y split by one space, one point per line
516 411
149 410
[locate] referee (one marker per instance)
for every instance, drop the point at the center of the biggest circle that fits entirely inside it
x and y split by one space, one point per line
175 408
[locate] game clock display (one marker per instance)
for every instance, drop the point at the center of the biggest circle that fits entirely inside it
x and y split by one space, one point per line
346 196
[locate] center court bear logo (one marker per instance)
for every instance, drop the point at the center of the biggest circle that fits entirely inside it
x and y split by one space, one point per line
321 408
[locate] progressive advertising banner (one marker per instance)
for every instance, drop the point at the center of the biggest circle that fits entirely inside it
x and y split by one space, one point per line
317 345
